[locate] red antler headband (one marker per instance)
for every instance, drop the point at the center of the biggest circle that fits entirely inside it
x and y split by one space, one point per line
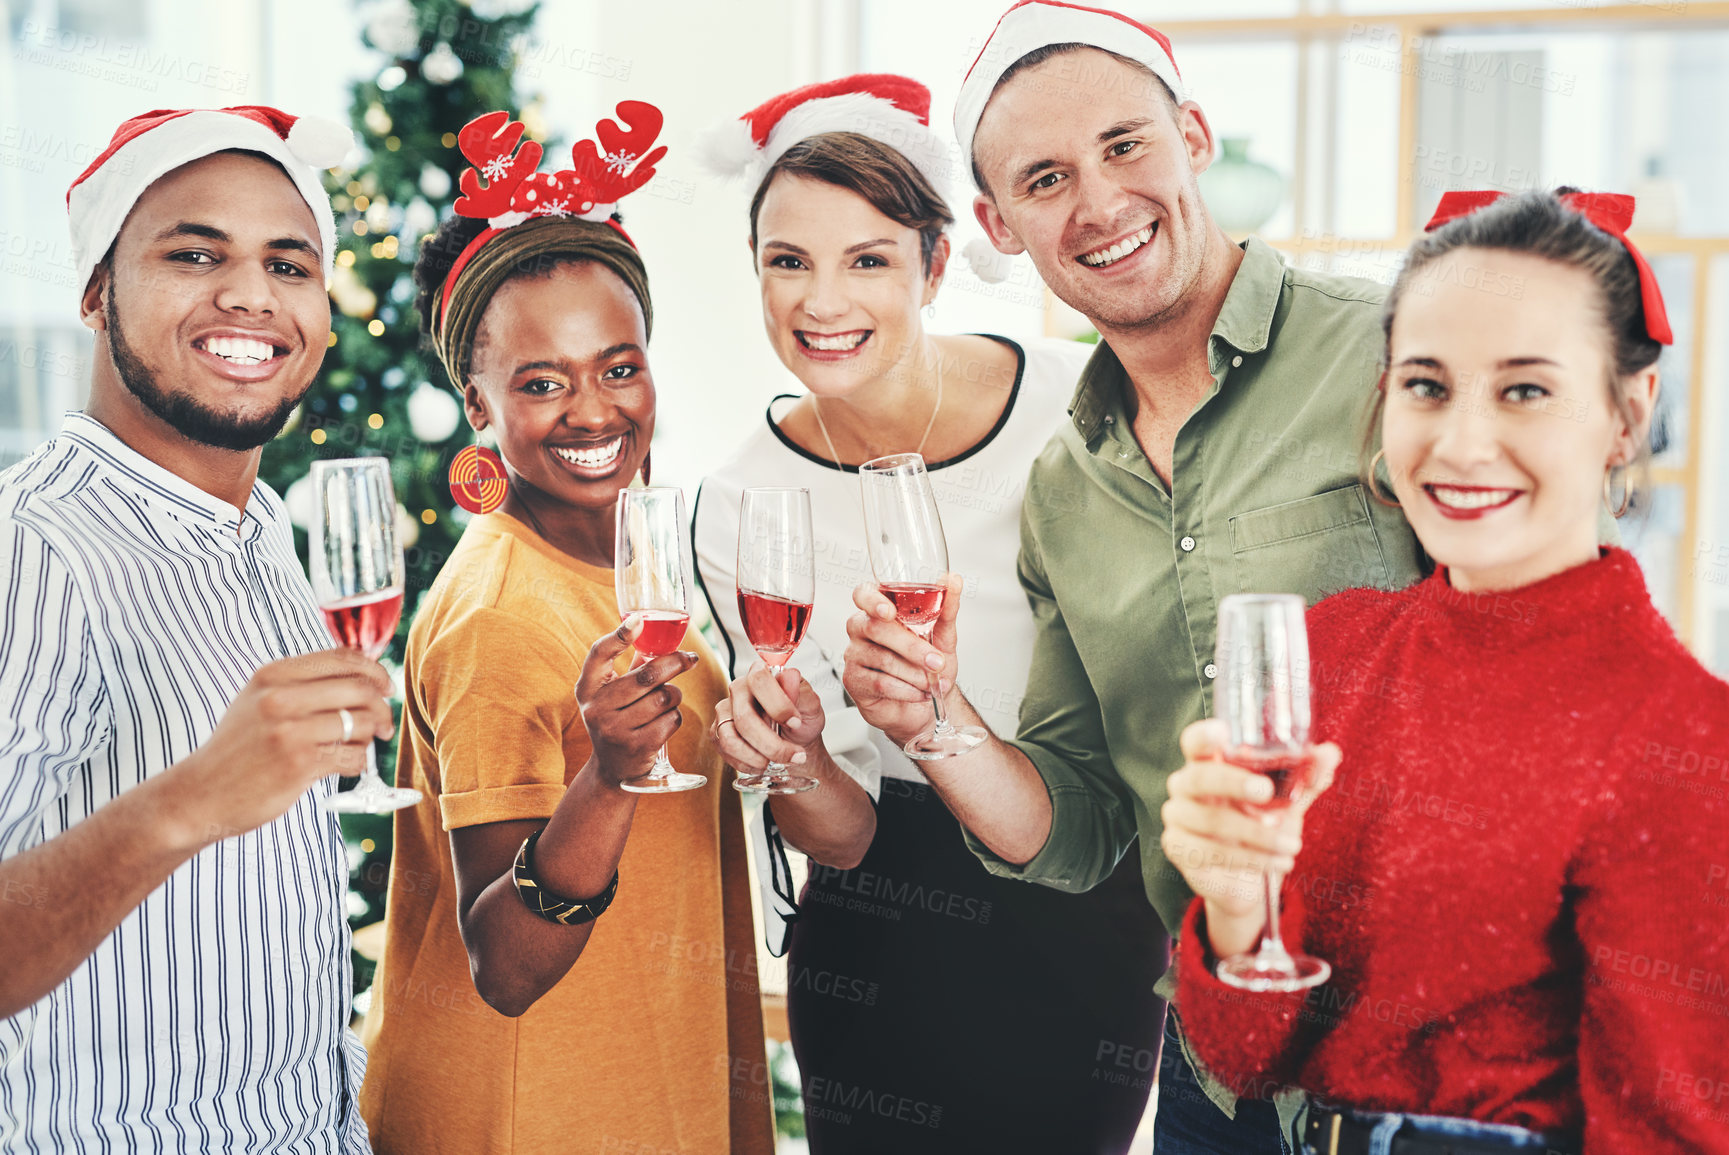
1611 212
514 192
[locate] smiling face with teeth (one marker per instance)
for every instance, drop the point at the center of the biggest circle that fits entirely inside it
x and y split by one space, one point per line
211 309
560 375
1498 425
842 285
1089 167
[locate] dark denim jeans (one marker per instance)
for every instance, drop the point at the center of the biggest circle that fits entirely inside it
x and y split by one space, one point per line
1189 1123
1499 1136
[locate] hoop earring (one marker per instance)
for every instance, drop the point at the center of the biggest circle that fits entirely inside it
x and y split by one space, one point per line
1375 481
1609 493
931 311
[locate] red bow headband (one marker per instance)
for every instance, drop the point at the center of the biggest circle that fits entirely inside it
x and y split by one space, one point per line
602 174
1611 212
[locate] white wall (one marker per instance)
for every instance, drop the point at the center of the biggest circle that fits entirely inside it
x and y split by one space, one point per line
699 63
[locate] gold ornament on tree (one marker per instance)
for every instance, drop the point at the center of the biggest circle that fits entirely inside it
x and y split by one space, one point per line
350 295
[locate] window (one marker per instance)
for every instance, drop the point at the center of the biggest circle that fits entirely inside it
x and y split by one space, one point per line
1374 111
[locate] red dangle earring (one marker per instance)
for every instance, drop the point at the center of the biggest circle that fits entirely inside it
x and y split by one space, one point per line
477 479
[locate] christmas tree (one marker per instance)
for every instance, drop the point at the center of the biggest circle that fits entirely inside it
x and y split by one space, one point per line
380 393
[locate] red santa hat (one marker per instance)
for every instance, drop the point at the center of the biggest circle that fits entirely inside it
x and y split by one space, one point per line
1034 24
149 146
890 109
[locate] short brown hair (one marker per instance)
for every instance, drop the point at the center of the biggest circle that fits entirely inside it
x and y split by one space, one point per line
883 176
1540 224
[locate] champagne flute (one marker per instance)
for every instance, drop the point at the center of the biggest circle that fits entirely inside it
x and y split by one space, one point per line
651 576
1262 694
910 560
357 578
776 592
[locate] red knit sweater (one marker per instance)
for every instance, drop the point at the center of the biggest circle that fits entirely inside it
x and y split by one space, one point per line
1520 873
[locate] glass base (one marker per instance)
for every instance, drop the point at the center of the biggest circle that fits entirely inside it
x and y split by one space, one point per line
1273 970
672 783
950 743
773 781
372 796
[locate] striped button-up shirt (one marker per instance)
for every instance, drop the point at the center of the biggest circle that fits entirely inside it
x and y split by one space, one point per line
214 1018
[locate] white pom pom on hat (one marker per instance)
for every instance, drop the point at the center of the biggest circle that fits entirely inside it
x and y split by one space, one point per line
987 264
153 144
891 109
727 149
319 142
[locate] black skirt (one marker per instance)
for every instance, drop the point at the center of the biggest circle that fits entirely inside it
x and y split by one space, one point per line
935 1007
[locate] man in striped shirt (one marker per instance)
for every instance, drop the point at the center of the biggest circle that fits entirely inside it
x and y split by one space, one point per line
176 969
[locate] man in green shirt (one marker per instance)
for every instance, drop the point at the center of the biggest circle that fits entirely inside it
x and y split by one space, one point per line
1214 449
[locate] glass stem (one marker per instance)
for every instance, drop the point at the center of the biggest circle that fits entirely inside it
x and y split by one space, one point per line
1271 943
369 784
773 766
942 726
662 767
774 769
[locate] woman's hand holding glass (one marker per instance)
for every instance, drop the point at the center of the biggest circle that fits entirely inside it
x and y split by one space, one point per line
910 560
776 597
651 579
744 724
629 716
1217 834
890 670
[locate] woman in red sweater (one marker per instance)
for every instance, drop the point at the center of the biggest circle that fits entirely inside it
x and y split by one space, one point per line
1518 867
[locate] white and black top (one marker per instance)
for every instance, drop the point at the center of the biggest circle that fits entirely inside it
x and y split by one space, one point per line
979 494
214 1018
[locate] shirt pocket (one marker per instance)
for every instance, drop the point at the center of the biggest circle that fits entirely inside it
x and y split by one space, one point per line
1313 546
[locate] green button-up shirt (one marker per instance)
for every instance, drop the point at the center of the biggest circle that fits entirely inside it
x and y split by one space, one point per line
1125 577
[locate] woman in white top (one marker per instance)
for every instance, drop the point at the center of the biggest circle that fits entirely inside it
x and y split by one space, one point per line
930 1003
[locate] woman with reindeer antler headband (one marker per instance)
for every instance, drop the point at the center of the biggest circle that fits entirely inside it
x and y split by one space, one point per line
483 1037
